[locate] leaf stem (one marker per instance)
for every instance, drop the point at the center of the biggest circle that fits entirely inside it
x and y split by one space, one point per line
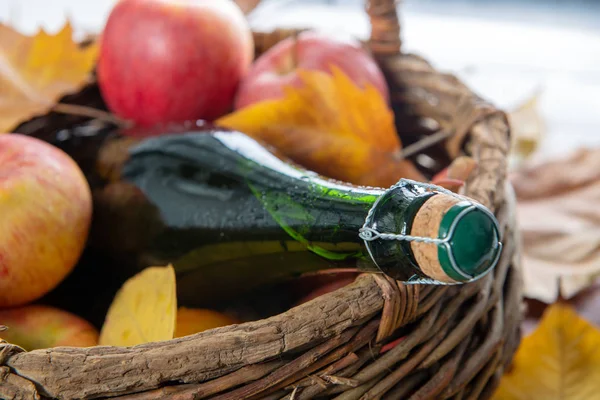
84 111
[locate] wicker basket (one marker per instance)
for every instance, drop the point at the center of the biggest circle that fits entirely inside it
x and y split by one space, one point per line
449 342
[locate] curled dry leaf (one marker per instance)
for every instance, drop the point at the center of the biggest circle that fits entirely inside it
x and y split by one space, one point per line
559 220
144 310
456 174
527 129
36 71
560 360
331 126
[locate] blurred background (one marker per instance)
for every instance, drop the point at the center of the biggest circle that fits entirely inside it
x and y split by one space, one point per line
507 51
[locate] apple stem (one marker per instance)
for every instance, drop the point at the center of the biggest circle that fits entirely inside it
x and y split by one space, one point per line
421 145
74 109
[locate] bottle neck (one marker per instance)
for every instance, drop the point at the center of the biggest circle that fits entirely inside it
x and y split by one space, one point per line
394 214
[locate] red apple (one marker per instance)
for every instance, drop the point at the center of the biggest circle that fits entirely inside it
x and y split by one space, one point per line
318 285
46 208
40 327
173 60
278 67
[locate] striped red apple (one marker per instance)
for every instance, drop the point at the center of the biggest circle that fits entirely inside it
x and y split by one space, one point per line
45 209
40 327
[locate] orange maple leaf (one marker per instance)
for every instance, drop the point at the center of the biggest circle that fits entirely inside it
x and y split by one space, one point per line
36 71
331 126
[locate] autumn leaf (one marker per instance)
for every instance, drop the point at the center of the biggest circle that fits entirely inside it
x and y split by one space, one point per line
454 176
331 126
558 217
527 129
144 310
193 320
36 71
560 360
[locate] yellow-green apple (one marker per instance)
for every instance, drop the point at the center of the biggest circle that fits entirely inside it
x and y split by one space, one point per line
40 327
194 320
278 67
46 208
173 60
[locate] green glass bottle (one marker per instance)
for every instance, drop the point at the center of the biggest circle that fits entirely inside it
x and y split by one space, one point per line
230 216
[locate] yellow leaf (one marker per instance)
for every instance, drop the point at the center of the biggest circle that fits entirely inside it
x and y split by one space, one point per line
144 310
331 126
527 129
559 361
36 71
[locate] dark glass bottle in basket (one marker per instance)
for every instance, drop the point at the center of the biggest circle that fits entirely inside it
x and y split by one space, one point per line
230 215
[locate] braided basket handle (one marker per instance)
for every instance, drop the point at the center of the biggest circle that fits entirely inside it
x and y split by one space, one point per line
385 27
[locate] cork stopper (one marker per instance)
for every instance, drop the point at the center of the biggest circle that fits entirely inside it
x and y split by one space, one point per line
470 237
427 224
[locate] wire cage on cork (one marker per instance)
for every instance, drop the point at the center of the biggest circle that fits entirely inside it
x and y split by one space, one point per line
373 339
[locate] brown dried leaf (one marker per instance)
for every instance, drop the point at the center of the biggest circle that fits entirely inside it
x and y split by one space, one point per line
36 71
331 126
559 220
456 174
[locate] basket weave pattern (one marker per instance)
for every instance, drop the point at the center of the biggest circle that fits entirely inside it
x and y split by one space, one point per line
450 342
